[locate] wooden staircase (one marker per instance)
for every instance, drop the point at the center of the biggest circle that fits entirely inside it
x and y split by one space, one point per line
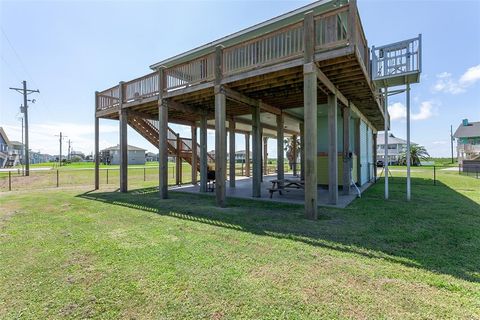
177 146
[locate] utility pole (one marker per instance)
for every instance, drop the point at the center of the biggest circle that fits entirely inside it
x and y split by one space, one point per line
24 110
451 140
60 141
69 148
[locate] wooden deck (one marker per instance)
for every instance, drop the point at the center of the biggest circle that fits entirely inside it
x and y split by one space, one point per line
267 68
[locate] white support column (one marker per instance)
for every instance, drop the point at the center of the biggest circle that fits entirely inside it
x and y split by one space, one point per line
385 163
231 136
265 156
203 153
280 151
408 143
332 150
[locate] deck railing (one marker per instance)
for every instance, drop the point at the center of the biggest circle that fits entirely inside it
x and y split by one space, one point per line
140 88
332 30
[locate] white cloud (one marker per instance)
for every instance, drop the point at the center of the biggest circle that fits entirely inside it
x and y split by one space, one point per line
426 111
440 142
398 111
471 76
446 83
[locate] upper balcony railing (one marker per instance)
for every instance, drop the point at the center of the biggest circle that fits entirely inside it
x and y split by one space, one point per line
333 29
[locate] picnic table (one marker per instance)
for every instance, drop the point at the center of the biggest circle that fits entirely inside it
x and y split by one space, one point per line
282 184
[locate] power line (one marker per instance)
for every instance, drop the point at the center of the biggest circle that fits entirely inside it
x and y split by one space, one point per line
11 68
18 57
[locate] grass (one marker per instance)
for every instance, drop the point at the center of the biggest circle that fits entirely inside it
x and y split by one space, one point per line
71 253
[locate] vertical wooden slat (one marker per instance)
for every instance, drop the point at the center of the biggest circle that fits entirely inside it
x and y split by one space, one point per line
332 150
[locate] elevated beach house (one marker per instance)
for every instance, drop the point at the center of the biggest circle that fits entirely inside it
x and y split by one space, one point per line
306 73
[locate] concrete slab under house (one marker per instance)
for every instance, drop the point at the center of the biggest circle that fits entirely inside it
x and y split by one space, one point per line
303 74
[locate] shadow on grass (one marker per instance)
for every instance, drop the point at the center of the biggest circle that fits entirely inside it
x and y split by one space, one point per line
438 230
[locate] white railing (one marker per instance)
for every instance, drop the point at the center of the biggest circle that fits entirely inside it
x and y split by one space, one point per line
397 59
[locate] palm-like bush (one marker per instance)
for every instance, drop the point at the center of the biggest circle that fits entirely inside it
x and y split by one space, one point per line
417 154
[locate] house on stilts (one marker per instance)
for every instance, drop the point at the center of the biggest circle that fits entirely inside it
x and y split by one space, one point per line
305 74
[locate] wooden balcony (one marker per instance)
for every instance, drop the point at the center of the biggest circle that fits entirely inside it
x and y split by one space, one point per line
263 63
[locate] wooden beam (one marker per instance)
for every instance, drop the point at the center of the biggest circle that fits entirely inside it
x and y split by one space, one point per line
173 105
231 136
203 154
256 150
97 148
242 98
162 140
194 154
280 151
123 117
264 125
220 132
265 156
332 150
302 151
347 160
247 154
310 118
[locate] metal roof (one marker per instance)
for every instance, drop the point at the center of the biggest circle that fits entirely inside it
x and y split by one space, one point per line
391 139
470 130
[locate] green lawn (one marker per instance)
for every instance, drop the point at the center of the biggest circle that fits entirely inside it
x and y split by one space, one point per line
71 253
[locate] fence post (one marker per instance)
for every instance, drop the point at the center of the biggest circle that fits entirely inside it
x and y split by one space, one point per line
459 168
9 180
434 176
57 178
107 175
144 176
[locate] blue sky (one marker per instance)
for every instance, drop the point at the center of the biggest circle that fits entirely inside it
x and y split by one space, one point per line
70 49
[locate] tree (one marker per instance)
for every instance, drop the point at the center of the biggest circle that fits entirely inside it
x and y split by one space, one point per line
288 142
417 154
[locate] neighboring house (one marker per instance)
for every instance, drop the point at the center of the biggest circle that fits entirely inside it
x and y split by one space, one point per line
396 146
468 140
112 155
77 154
150 156
240 156
4 147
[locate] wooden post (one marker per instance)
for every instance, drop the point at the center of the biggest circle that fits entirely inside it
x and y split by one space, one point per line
231 136
178 162
247 154
294 155
162 140
265 156
302 151
280 153
123 143
203 153
357 148
256 152
332 150
310 118
347 178
220 131
97 143
375 157
194 154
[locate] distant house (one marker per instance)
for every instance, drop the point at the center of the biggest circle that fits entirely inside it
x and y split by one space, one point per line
77 154
240 156
468 140
150 156
4 147
396 146
111 155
